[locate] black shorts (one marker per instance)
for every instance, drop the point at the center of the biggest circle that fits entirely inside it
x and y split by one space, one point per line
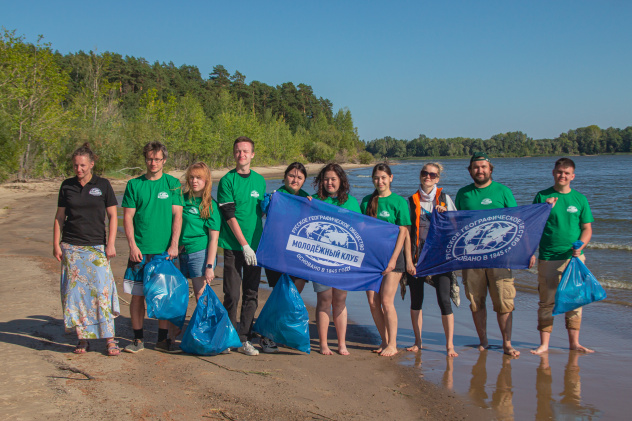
400 266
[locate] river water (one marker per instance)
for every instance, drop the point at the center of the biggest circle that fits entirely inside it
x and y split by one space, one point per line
561 384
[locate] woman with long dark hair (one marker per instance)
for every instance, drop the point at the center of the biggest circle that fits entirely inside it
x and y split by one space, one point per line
332 186
293 180
88 292
390 207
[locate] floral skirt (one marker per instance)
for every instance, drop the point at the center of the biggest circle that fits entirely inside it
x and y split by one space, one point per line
88 292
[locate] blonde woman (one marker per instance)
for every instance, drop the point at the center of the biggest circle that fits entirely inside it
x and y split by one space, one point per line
201 221
422 204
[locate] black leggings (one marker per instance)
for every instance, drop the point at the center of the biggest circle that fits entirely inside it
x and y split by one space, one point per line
442 283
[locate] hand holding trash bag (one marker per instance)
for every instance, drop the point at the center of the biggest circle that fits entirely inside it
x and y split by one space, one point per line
284 318
578 286
209 331
166 290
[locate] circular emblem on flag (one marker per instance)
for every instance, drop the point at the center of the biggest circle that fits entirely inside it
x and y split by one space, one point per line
486 238
327 244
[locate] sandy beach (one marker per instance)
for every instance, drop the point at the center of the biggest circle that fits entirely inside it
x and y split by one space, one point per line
36 382
42 379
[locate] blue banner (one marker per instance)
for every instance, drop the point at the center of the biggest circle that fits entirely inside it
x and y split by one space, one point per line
327 244
495 238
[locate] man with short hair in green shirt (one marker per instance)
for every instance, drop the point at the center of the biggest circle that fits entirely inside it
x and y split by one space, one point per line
152 217
238 194
569 221
485 193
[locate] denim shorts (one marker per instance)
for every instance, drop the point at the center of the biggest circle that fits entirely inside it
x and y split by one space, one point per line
320 287
192 265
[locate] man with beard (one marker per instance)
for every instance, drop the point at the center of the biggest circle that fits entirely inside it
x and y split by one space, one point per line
485 193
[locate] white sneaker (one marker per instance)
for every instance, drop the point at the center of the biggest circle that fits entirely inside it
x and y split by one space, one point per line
248 349
226 351
268 346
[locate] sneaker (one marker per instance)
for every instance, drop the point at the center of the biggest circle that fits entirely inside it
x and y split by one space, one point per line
167 346
268 346
248 349
226 351
135 346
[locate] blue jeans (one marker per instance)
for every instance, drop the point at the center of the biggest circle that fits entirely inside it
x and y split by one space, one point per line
192 265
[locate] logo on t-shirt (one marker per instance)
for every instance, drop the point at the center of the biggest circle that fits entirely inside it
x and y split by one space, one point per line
163 195
194 211
486 201
96 192
254 194
385 214
571 209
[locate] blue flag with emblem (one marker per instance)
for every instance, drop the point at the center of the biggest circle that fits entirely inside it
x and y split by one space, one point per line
327 244
495 238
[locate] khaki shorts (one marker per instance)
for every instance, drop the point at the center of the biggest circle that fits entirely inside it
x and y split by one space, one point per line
549 277
500 284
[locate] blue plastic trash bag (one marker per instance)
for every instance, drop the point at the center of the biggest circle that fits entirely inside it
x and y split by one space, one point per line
284 318
209 331
166 290
577 288
265 203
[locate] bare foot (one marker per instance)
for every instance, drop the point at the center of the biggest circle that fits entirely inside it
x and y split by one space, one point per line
414 348
540 350
452 352
342 350
325 350
389 351
482 347
581 348
380 349
511 351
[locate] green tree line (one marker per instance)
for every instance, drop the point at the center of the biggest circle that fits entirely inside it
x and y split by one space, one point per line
589 140
50 103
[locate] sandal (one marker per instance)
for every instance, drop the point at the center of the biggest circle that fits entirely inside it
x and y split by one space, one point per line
112 349
82 347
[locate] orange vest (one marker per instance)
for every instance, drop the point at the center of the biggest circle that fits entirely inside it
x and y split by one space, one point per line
417 201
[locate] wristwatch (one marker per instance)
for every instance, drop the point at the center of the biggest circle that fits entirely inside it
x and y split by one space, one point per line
209 266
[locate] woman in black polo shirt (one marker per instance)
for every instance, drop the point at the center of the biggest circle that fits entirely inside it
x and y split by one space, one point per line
88 292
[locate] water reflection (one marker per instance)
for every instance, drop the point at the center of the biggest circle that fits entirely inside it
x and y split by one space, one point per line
569 405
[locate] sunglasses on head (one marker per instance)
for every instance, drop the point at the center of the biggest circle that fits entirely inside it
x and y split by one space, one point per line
432 175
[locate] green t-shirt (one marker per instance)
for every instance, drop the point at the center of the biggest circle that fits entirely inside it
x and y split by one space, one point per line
393 209
194 234
351 203
245 193
301 192
494 196
152 200
563 227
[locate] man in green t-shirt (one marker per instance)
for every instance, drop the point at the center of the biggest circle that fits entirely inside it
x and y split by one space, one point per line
152 216
569 221
485 193
239 193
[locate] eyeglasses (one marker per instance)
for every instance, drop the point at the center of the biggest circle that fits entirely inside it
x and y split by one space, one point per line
432 175
150 160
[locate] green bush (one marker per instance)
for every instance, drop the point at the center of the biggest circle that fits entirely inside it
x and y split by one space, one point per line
365 158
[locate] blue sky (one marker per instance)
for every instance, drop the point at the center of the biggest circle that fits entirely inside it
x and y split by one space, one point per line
404 68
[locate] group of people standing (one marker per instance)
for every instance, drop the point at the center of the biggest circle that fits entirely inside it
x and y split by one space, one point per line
162 215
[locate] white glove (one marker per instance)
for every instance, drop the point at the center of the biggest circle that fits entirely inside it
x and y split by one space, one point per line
250 256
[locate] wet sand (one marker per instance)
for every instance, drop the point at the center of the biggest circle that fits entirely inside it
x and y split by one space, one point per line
35 382
562 384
